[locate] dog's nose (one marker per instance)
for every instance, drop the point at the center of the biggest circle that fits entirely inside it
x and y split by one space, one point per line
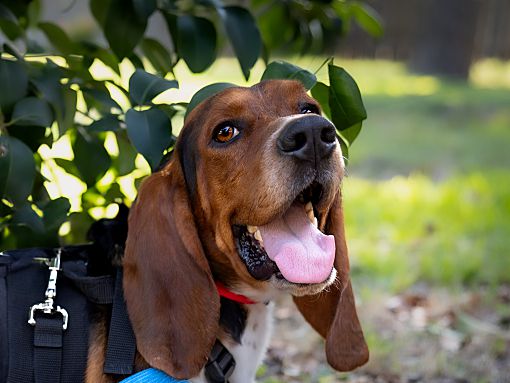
310 138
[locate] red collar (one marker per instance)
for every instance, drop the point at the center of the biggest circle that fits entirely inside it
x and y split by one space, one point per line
225 293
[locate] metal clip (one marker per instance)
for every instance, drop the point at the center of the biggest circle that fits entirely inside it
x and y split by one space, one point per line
51 292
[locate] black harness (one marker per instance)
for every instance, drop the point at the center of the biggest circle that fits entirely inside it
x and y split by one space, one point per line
47 300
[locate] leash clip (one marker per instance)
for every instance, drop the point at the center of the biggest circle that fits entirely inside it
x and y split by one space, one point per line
51 292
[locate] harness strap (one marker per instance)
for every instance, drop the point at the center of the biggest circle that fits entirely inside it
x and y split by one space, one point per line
99 290
121 348
48 349
220 365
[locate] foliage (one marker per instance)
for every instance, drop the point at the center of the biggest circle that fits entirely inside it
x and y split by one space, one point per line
50 93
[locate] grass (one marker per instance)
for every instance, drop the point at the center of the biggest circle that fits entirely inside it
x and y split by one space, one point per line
410 229
457 130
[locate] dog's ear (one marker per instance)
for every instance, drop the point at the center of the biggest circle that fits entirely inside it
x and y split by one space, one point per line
332 313
170 293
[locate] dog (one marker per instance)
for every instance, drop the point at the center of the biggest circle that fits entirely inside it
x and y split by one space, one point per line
248 206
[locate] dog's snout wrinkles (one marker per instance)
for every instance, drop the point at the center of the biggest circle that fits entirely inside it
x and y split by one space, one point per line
310 138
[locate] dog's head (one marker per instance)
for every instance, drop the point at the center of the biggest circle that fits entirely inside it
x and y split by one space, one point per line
250 198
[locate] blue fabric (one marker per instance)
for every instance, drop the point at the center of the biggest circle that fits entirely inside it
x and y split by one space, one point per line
151 375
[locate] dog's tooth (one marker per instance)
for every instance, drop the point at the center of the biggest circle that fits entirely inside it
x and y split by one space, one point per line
258 236
308 207
252 229
311 217
315 222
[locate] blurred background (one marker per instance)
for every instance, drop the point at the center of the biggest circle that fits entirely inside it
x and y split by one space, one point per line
427 197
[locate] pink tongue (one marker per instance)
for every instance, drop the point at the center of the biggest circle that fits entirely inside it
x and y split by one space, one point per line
302 253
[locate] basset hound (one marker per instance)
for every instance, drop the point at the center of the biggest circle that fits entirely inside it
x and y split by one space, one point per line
250 201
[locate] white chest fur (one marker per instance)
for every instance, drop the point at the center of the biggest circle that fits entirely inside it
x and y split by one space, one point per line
254 341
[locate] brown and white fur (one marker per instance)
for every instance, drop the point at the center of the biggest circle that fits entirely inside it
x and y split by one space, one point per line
182 238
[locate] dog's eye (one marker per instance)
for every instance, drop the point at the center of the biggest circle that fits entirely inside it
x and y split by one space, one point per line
309 108
225 133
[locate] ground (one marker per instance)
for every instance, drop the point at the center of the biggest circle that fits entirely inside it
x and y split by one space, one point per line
423 335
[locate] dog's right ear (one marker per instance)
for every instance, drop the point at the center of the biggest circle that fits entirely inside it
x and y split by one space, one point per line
170 293
332 313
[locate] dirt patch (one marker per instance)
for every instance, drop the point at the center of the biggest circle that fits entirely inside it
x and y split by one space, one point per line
422 335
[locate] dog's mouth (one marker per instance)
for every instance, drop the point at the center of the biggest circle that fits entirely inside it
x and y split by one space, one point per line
289 247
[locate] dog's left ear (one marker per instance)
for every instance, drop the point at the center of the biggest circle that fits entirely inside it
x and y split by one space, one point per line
332 313
171 298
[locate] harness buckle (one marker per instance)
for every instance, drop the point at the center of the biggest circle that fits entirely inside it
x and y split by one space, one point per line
51 292
221 364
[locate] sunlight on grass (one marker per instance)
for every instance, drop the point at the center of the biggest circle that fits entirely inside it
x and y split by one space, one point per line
409 229
491 73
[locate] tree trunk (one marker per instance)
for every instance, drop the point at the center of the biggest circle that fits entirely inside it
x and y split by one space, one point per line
445 37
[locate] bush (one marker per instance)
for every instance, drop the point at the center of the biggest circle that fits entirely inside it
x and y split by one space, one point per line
50 94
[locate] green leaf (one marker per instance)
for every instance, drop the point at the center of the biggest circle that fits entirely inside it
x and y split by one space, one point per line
108 59
68 166
158 56
114 194
32 111
196 42
285 70
39 192
244 36
61 97
13 77
321 93
144 8
345 101
91 158
122 25
80 224
172 109
55 213
344 144
274 32
99 9
18 8
13 50
206 92
9 23
65 116
108 123
352 132
150 131
58 38
100 99
25 215
17 170
32 136
143 86
368 18
125 162
33 12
